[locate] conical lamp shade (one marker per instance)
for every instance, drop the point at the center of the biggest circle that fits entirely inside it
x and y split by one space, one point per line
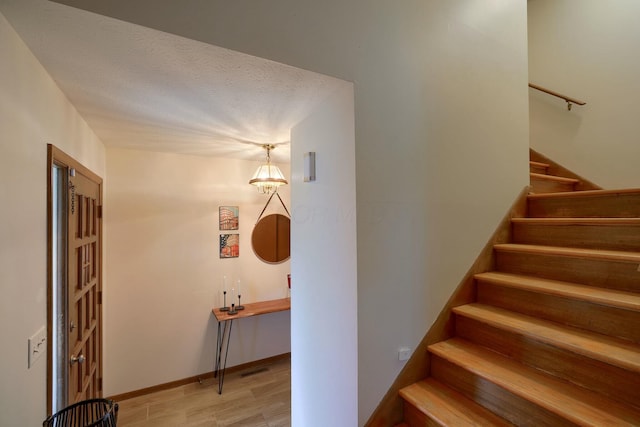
268 178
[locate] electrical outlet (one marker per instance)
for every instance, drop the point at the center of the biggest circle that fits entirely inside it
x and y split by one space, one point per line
404 353
37 346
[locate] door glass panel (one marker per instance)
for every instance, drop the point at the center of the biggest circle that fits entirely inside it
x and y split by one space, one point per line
59 345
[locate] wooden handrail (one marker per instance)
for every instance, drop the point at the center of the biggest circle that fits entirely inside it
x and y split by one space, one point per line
570 101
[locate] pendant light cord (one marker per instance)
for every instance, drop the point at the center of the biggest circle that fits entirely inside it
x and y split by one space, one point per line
268 201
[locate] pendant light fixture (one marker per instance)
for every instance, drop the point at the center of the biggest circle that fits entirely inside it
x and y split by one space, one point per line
268 177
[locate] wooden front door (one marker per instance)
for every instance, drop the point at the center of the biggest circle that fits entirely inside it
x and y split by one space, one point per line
75 282
84 288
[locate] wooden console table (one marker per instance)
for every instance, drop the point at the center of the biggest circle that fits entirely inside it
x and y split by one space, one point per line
225 322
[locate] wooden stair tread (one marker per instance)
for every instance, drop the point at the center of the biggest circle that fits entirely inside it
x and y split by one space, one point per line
603 296
538 167
578 221
539 164
573 403
554 178
610 255
447 406
584 193
595 346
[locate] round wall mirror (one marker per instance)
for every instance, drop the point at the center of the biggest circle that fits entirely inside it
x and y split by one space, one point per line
271 238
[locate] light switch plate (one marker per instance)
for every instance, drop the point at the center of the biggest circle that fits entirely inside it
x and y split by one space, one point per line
37 346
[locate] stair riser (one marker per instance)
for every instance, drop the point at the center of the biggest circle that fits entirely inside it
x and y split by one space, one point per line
605 206
615 382
603 319
594 272
493 397
414 418
537 169
611 237
548 186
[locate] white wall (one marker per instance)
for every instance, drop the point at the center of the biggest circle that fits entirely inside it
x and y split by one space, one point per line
165 273
33 112
587 49
441 125
324 234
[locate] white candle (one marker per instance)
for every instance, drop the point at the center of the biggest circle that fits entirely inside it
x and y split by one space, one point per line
224 283
238 287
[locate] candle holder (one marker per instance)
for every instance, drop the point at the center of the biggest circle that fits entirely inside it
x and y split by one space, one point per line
233 309
240 306
224 305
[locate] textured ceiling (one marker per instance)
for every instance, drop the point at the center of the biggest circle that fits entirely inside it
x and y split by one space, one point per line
144 89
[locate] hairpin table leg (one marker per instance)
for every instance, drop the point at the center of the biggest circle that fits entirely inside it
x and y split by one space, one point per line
222 346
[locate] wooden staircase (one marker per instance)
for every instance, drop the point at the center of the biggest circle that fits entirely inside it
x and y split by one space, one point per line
553 337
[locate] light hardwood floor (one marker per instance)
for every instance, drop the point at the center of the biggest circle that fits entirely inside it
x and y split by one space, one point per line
256 397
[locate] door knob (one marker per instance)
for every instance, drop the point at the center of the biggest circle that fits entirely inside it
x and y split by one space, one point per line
79 359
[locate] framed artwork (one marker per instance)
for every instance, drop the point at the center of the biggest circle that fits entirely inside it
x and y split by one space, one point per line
228 217
229 245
